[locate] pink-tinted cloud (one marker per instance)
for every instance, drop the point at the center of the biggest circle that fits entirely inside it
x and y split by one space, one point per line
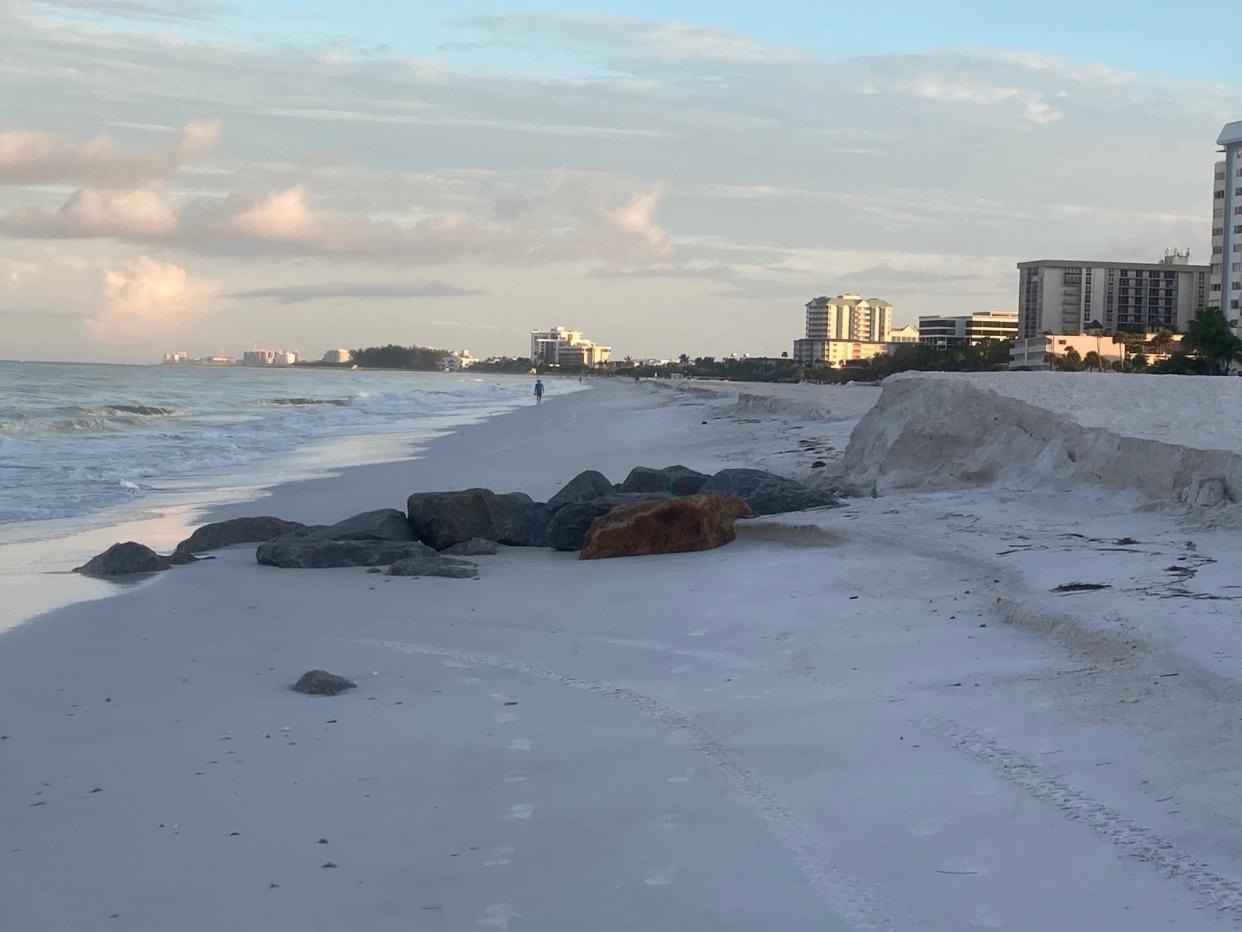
150 298
34 157
138 213
562 224
635 220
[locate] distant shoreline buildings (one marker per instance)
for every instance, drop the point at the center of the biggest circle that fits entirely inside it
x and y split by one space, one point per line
844 329
258 359
941 331
568 348
1064 295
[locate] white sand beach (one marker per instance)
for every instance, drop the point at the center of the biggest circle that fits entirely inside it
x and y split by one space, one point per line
881 716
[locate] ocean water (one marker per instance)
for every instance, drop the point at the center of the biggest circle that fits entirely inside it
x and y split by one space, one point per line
79 439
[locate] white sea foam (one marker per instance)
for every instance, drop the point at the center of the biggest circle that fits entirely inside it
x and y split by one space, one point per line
75 439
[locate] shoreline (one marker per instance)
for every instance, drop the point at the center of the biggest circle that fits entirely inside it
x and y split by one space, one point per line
886 715
38 556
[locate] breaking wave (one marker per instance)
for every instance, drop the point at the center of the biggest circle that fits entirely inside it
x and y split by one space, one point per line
302 402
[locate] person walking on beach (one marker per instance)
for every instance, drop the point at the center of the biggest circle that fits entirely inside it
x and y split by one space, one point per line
538 391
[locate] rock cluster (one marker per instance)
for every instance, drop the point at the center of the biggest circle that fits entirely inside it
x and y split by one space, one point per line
664 510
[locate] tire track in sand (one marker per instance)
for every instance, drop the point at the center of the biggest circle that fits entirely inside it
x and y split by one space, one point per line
1130 838
848 897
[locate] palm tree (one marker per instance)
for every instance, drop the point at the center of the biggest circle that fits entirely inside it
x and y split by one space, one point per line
1092 362
1120 339
1161 341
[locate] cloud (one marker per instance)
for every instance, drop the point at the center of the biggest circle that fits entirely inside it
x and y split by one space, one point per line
298 294
572 219
636 218
166 11
284 215
1031 105
885 273
629 38
719 151
36 157
147 298
139 213
1093 73
700 273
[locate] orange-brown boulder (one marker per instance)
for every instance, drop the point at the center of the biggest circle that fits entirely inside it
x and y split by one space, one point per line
674 525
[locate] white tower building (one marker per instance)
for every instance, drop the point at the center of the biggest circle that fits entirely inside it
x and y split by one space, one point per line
1226 287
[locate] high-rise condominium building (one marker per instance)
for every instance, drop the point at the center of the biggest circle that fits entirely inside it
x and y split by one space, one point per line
561 347
1226 288
1066 295
849 317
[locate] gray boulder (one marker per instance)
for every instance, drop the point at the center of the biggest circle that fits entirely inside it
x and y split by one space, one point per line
219 534
126 559
675 480
443 519
682 480
292 553
568 527
321 683
767 493
381 524
435 565
581 488
535 519
474 547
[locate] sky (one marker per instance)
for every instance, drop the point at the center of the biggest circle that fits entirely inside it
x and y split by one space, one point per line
214 176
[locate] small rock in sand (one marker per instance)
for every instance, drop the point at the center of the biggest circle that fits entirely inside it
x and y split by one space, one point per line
322 683
126 559
474 547
437 565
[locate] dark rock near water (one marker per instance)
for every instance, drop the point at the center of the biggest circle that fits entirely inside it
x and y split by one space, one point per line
675 480
475 547
435 565
126 559
767 493
292 553
219 534
581 488
443 519
569 526
675 525
381 524
322 683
